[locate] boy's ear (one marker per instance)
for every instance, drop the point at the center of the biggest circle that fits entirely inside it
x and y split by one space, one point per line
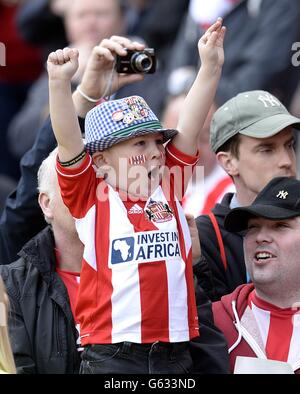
102 164
228 163
100 159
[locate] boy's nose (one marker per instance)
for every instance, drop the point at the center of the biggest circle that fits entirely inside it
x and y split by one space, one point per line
155 152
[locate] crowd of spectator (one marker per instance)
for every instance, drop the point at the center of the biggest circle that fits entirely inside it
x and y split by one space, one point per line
249 137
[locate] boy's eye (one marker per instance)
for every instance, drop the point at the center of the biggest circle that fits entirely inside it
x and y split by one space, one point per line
140 143
160 141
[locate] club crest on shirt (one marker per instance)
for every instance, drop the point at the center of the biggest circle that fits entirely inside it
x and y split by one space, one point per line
158 212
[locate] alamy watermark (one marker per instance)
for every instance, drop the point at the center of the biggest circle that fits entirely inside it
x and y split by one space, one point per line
296 55
2 55
139 183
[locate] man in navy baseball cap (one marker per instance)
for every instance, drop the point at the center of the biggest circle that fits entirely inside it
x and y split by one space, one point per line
280 199
261 319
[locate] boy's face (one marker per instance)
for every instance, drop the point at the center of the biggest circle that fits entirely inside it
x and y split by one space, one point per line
136 165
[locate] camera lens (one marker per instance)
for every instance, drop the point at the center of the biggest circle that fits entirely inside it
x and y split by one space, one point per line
142 62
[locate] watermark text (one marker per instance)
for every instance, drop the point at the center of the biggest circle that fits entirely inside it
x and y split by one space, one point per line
139 183
296 55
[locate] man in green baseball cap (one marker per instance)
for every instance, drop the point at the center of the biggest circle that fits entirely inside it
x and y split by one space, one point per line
256 114
252 135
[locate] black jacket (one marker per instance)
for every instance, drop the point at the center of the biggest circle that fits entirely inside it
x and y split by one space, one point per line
225 281
42 329
209 351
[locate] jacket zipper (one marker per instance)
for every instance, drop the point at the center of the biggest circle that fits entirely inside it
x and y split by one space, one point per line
56 323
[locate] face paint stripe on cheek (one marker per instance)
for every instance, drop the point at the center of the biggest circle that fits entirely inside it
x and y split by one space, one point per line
136 160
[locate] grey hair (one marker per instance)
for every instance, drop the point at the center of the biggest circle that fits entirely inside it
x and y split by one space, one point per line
46 176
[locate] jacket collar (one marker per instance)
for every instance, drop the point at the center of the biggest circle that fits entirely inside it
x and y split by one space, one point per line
223 208
40 251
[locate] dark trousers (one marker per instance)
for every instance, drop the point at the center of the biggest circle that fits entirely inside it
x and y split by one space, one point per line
133 358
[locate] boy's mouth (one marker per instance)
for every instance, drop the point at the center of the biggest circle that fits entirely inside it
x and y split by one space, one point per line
150 173
154 173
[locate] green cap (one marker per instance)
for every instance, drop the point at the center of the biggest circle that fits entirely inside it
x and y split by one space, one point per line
256 114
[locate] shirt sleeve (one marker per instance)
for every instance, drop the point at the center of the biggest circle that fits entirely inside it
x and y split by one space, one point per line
179 169
78 186
175 157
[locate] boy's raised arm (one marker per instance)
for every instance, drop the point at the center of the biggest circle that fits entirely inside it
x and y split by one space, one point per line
62 65
201 95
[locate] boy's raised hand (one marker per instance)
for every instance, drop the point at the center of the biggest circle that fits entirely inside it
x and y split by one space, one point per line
62 64
210 46
202 93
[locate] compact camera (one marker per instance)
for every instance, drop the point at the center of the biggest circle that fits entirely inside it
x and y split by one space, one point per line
137 62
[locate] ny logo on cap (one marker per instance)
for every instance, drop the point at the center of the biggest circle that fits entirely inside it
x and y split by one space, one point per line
282 194
268 100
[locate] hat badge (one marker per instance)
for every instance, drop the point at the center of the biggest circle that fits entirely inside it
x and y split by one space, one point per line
282 194
131 109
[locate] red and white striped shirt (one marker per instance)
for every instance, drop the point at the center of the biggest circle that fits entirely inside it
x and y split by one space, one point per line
136 281
204 192
279 329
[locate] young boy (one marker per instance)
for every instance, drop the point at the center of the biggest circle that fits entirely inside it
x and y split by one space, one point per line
136 303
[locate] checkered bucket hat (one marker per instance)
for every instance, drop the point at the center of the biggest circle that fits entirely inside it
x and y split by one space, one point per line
119 120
